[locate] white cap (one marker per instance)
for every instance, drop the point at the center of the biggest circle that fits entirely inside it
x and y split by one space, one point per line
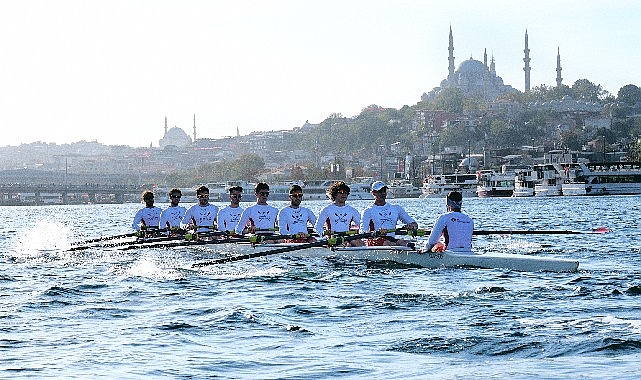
378 185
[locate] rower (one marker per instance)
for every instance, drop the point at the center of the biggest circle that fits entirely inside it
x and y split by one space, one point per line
452 230
259 216
201 216
382 218
293 219
229 215
148 216
171 217
339 217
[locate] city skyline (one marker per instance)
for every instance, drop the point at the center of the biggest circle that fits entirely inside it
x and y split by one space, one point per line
112 71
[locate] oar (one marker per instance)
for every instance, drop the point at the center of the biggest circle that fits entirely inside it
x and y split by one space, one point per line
226 239
121 236
600 230
424 232
324 242
103 238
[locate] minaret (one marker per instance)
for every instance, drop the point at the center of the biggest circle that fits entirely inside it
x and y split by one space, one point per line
527 65
450 69
485 57
558 67
165 125
194 127
492 66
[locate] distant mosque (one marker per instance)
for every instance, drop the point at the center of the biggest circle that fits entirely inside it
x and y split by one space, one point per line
176 137
477 79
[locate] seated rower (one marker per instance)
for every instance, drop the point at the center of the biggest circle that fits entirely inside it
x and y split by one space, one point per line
454 227
147 217
338 217
201 217
382 218
293 219
171 217
260 216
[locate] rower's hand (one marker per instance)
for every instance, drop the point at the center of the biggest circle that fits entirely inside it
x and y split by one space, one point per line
411 226
382 231
439 247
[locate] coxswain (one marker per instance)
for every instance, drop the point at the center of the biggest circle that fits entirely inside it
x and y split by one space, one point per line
452 230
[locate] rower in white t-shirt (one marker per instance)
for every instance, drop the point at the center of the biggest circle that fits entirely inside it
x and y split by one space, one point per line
259 216
229 215
452 230
382 217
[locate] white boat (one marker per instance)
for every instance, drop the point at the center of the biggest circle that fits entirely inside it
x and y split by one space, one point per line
493 184
403 189
447 259
441 184
524 183
614 178
548 182
317 190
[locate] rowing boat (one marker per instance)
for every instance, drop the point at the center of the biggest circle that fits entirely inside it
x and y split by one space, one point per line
447 259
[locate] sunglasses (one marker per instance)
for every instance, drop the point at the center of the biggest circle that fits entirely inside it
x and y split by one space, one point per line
343 192
264 193
175 196
236 196
297 195
203 196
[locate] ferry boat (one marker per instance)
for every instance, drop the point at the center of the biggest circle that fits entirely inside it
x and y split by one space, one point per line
493 184
317 190
403 189
524 183
548 182
441 184
607 178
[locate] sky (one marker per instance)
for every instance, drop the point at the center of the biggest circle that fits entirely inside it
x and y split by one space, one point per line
111 71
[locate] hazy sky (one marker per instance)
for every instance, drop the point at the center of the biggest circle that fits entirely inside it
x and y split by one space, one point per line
112 70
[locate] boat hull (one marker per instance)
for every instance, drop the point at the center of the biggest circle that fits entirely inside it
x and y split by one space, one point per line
433 260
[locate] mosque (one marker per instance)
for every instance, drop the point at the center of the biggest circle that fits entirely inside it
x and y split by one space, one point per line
478 79
176 137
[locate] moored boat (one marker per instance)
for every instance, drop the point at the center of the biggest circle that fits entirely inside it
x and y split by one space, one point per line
548 182
441 184
614 178
524 183
493 184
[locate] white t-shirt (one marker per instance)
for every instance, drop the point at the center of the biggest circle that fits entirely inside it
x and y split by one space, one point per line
201 216
172 215
228 218
456 229
149 215
294 220
337 218
263 217
376 217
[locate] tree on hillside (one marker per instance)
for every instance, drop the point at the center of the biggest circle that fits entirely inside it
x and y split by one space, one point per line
449 100
248 167
629 95
587 91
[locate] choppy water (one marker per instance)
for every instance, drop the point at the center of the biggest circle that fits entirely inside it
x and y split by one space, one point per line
146 313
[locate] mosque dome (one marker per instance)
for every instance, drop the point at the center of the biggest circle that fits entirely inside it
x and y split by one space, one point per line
176 137
471 66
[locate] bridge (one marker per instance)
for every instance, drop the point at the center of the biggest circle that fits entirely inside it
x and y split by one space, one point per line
42 194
